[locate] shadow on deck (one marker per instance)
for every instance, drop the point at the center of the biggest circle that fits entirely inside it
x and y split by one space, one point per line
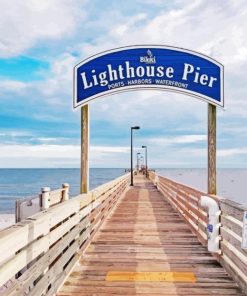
146 248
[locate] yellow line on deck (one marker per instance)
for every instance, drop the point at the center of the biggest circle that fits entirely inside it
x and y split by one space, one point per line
126 276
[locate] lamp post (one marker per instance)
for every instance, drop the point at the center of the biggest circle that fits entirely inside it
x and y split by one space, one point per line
146 158
131 153
137 161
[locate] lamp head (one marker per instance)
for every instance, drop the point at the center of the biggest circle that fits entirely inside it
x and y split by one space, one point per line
144 146
135 127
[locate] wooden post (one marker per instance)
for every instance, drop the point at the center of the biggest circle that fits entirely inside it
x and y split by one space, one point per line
65 191
84 149
212 149
45 197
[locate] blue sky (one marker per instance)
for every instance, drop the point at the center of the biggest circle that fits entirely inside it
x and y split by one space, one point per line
41 41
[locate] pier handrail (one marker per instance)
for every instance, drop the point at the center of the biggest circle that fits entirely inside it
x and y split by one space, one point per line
186 200
38 252
29 206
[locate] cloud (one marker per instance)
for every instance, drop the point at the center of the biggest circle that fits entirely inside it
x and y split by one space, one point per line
23 24
231 152
12 86
105 149
46 155
216 30
186 139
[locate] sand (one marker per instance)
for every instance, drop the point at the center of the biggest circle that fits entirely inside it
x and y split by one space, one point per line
6 220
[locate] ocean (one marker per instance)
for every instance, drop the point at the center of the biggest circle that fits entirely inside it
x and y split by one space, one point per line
21 183
230 182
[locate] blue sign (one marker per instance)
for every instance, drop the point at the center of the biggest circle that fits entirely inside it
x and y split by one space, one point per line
210 228
148 67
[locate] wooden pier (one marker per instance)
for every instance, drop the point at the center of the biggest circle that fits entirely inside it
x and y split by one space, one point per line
150 239
146 248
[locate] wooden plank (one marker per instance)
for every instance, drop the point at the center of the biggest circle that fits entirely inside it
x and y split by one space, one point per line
234 271
29 230
232 224
144 234
25 281
56 196
43 232
233 209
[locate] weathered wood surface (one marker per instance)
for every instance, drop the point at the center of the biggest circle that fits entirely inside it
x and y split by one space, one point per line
37 253
31 205
212 184
186 201
85 149
145 234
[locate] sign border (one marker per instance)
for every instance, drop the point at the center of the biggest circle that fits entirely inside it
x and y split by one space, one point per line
147 87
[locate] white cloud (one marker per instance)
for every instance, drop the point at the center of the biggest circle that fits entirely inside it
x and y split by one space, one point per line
231 152
12 85
217 30
186 139
109 149
24 23
48 154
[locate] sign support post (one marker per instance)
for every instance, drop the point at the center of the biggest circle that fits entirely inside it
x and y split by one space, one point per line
212 189
84 188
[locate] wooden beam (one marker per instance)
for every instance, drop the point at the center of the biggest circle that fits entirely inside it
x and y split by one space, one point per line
85 149
212 149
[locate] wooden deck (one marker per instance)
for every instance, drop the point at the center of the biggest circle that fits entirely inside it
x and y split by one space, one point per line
145 248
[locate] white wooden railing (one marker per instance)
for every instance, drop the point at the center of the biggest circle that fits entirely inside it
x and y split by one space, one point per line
186 201
27 207
37 253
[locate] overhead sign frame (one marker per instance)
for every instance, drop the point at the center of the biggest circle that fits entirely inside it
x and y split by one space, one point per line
168 54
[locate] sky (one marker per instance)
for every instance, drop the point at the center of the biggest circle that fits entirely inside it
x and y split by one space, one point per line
41 42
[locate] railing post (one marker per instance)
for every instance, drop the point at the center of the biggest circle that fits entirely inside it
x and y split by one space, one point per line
65 191
45 197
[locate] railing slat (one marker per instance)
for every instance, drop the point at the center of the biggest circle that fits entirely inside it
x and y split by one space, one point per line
41 247
186 201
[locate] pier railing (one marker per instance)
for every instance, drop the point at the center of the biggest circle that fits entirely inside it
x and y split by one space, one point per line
38 252
29 206
186 200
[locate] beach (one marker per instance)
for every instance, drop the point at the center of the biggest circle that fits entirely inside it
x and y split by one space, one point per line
6 220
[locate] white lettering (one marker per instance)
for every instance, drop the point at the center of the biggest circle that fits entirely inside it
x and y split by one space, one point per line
204 79
102 77
130 71
84 81
160 71
169 72
112 73
140 71
187 70
211 81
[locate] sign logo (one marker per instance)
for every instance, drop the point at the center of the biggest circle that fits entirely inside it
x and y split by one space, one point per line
148 67
149 58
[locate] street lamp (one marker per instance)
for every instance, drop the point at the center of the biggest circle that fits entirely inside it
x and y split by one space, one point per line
131 153
137 162
146 158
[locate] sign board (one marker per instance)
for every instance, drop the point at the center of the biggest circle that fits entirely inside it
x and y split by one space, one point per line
148 67
244 233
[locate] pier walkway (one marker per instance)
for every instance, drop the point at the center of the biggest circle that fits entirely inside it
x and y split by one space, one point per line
144 247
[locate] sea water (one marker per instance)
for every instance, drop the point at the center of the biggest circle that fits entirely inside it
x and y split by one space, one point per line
21 183
230 182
